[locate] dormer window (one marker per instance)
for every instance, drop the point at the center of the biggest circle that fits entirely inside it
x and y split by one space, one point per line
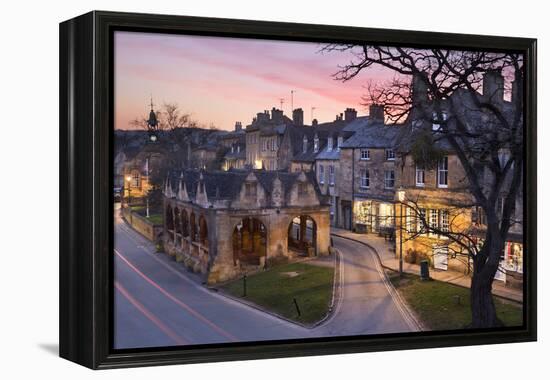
340 142
232 149
436 126
316 143
329 144
302 188
304 145
331 175
250 189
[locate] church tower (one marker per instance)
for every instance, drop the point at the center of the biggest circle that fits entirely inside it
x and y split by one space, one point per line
153 125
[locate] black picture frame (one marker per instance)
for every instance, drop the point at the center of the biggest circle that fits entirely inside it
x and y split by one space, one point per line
86 200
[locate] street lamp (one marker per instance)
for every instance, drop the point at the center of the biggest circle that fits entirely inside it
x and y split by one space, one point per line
128 179
401 199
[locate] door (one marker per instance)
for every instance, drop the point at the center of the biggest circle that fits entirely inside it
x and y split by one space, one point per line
347 217
441 257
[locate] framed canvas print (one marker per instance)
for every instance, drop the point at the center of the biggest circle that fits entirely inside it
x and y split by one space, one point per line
239 189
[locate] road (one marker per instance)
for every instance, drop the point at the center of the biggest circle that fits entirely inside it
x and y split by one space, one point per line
158 303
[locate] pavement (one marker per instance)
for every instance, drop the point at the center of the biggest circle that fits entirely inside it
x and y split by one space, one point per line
159 303
386 253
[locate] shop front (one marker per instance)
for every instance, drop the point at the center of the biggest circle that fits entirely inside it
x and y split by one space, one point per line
373 216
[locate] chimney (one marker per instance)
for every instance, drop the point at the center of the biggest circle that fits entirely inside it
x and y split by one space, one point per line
350 114
276 115
517 88
376 112
314 122
238 126
262 116
419 90
493 85
298 117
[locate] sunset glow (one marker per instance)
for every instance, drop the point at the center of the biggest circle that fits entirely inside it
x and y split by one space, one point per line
223 80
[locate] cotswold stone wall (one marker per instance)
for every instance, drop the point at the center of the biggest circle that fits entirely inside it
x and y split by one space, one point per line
142 225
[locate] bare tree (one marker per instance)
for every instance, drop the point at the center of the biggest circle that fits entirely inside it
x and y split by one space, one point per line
485 132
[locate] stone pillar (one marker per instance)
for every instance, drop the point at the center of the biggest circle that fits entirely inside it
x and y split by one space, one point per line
323 233
222 268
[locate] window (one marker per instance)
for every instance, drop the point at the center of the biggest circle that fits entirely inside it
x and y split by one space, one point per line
302 188
410 223
365 154
135 179
390 155
420 177
365 179
385 215
316 144
250 189
443 172
421 224
436 126
304 145
329 144
433 219
339 143
444 220
332 206
331 175
389 179
321 174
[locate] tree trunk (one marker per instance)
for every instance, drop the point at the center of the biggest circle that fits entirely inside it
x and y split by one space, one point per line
483 307
481 298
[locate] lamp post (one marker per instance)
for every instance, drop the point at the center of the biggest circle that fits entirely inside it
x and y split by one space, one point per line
128 179
401 198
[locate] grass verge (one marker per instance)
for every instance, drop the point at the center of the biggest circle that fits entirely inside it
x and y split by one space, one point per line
444 306
276 289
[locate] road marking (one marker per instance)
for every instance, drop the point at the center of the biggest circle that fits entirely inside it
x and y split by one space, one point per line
178 302
149 315
340 298
396 297
204 290
400 304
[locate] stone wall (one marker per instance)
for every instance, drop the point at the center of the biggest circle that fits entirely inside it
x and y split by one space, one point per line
142 225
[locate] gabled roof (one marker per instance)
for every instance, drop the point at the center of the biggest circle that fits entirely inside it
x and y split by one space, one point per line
374 135
228 184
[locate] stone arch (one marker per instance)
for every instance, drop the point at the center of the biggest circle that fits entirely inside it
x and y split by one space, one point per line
250 241
177 225
203 231
184 223
192 227
302 235
169 217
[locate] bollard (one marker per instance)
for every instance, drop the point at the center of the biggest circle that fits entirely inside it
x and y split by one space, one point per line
424 270
244 285
297 308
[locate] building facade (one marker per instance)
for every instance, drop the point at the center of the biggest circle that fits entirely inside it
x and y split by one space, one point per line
221 224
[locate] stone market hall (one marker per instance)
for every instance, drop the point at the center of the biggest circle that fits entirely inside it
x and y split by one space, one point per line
221 223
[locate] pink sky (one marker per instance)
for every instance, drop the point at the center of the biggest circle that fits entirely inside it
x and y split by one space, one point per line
224 80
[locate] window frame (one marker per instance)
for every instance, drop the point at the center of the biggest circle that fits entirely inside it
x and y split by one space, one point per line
364 175
386 172
445 185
